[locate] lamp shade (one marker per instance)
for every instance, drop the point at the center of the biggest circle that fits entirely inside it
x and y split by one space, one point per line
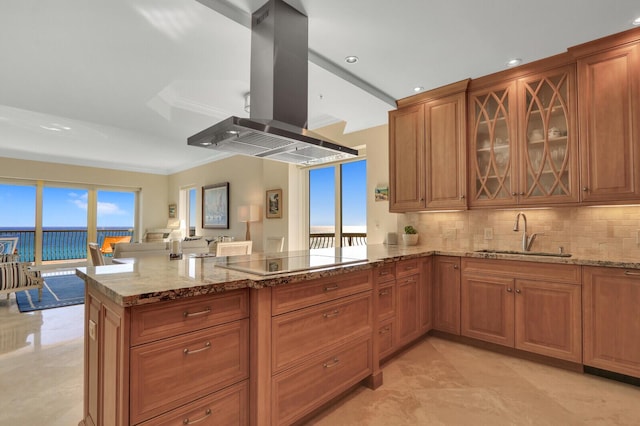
248 213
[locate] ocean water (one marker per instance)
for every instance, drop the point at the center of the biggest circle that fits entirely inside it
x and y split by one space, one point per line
58 243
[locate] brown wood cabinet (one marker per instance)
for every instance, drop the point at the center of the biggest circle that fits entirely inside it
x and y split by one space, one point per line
522 139
611 323
427 150
176 353
609 115
522 305
446 294
319 348
404 303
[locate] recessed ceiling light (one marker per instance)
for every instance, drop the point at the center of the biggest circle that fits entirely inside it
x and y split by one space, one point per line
206 143
418 89
636 21
351 59
514 62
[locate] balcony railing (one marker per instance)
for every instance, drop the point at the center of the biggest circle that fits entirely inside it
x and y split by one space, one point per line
59 244
329 240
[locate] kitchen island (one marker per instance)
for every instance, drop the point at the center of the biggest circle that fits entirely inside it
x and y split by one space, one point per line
219 341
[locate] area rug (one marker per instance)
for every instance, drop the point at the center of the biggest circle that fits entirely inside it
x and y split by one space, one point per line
58 291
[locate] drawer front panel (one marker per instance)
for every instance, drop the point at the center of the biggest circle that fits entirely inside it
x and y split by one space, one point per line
226 407
175 371
385 338
296 296
556 272
408 267
299 334
385 273
386 301
299 391
167 319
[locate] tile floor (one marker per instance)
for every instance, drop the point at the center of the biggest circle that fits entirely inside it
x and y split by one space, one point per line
437 382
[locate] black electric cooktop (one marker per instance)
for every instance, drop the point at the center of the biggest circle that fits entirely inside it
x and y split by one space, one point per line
274 264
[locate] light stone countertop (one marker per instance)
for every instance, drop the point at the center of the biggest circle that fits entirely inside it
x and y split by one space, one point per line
156 278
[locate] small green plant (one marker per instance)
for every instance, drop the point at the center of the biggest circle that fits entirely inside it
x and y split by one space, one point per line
410 230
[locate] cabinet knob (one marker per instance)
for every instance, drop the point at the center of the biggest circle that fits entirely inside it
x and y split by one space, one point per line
462 197
513 194
518 291
522 193
509 290
585 189
455 266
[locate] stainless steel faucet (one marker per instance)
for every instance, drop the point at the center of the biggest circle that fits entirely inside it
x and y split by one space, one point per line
527 241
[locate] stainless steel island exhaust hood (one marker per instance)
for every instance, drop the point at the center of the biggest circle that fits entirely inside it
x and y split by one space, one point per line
277 127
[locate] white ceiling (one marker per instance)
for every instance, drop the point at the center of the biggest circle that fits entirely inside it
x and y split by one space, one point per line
123 83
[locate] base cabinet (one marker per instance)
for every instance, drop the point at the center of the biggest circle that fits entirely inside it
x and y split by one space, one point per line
611 298
446 294
519 305
167 362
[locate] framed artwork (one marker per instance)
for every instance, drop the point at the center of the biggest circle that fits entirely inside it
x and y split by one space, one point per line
215 206
8 244
172 211
382 193
274 203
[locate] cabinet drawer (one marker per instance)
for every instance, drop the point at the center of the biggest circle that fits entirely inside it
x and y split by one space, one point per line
286 298
299 391
385 338
386 300
302 333
172 372
160 320
408 267
226 407
386 272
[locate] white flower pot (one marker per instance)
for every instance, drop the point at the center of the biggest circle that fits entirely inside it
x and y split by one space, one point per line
410 239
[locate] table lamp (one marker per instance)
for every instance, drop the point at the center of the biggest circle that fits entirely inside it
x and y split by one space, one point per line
248 214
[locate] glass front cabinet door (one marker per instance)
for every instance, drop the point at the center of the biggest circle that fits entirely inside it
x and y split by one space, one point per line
548 158
492 146
523 141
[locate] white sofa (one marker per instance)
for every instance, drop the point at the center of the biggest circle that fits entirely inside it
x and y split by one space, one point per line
158 248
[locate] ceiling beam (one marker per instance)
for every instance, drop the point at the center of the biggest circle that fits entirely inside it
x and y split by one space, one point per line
243 18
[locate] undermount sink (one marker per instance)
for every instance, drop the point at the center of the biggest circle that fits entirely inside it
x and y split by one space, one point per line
526 253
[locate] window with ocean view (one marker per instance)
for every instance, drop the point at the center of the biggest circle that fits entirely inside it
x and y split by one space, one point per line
66 213
346 221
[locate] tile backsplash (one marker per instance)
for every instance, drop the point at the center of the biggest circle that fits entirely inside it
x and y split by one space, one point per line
594 232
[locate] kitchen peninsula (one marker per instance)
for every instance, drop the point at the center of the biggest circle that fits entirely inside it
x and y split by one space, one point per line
182 341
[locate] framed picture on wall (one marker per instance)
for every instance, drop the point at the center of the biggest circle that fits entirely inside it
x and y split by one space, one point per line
172 211
274 203
215 206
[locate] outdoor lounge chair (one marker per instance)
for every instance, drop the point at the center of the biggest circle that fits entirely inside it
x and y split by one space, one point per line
16 276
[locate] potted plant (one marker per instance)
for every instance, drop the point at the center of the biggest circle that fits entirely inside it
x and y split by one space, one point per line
410 236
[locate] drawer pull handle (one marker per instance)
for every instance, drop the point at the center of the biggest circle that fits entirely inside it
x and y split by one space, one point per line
385 272
187 351
383 292
384 330
632 274
192 422
408 268
186 314
335 362
331 314
333 287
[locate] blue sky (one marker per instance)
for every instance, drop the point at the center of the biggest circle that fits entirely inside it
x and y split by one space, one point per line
64 207
354 195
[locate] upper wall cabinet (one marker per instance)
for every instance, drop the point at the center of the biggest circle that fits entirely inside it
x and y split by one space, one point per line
609 115
523 140
427 151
